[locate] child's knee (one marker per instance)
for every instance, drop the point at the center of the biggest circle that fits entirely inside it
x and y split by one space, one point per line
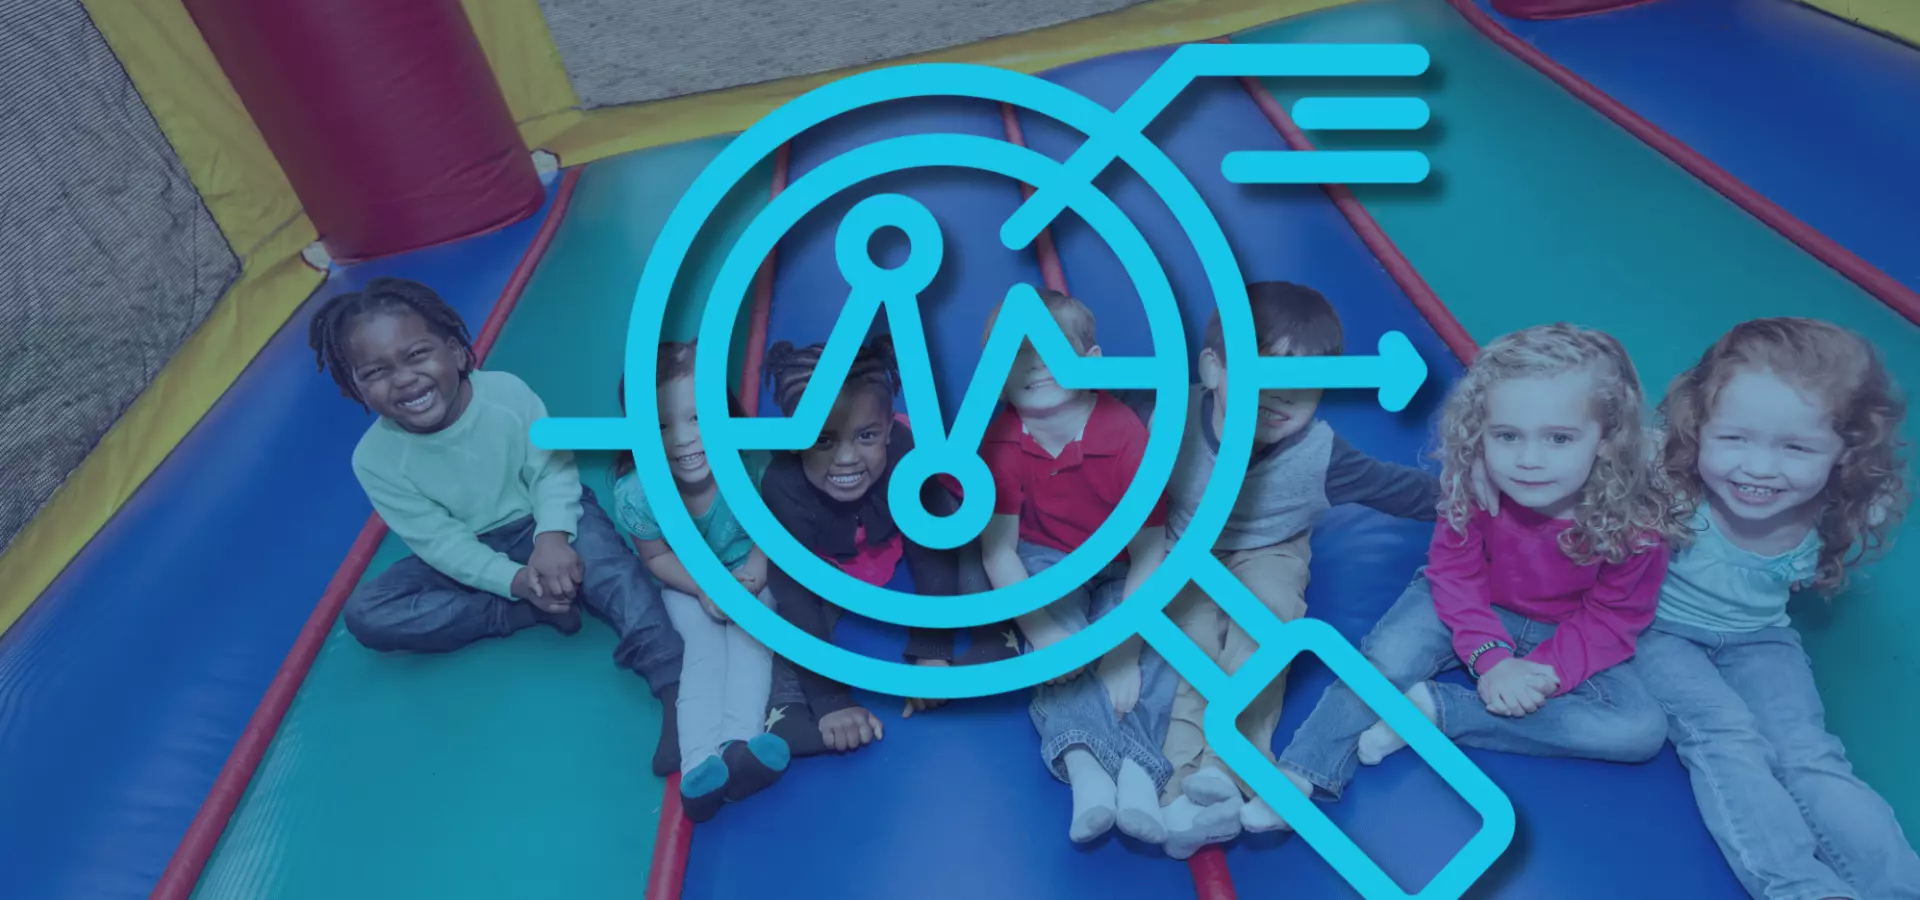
1639 736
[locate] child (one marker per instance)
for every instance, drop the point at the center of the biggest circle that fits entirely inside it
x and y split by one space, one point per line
1300 469
1782 442
832 497
1061 460
725 754
1540 604
504 534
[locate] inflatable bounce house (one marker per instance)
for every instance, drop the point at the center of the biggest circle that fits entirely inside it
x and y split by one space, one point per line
182 713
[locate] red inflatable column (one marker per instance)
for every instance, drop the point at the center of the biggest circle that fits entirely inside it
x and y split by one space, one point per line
384 114
1559 9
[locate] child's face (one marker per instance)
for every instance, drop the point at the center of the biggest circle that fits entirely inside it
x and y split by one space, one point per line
405 372
1541 439
1030 384
851 454
1766 449
1283 413
680 432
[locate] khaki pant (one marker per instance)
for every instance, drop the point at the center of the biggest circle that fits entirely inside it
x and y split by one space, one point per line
1276 574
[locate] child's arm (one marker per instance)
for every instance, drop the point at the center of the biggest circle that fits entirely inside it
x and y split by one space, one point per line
659 558
1457 574
1397 490
1120 668
434 535
551 476
1619 606
1000 556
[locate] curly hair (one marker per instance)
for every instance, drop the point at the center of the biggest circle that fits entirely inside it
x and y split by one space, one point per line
1622 509
332 325
1867 494
789 370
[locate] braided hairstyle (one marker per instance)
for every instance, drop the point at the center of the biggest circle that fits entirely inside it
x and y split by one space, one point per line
333 325
790 370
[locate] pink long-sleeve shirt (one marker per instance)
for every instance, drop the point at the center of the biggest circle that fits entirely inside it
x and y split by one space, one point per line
1514 562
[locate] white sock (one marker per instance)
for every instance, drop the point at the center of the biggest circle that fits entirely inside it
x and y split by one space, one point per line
1139 805
1379 742
1258 816
1210 785
1093 796
1191 826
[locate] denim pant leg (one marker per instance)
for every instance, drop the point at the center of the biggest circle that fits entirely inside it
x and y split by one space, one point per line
1078 713
1144 728
413 607
1855 830
1609 717
619 589
1409 645
1757 824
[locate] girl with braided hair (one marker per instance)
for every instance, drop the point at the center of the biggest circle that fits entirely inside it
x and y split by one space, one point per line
832 497
504 535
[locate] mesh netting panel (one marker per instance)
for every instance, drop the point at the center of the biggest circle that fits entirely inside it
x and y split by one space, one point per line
628 51
108 258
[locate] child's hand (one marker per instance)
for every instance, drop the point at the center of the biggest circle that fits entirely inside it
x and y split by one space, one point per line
713 609
849 729
557 564
752 573
1120 673
917 704
526 586
1509 689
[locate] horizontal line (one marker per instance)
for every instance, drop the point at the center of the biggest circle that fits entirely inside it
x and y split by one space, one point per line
1361 113
1325 167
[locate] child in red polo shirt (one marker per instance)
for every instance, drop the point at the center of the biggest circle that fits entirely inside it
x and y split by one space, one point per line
1061 460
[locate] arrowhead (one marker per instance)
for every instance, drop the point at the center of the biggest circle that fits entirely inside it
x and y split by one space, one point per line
1402 371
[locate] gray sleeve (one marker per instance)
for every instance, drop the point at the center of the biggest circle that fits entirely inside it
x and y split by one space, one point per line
1397 490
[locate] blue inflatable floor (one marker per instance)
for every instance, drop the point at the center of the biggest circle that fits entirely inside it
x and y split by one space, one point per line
1814 112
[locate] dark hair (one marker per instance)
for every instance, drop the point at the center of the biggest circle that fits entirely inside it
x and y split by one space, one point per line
789 370
676 361
331 326
1296 317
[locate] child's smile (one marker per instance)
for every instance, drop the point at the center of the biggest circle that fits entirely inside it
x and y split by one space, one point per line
680 432
407 373
1766 450
851 453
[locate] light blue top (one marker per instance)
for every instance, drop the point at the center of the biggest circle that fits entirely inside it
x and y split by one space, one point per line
1718 586
722 531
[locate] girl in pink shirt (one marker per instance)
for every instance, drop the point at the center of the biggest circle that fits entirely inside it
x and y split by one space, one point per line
1539 600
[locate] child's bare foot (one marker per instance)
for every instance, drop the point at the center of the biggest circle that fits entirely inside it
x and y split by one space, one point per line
1209 785
1137 803
1379 742
849 729
1093 796
1258 816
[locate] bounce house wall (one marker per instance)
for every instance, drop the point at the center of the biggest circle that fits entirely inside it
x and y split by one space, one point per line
108 257
618 51
1894 18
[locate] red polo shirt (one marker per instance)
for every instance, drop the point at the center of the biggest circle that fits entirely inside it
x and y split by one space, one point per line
1062 500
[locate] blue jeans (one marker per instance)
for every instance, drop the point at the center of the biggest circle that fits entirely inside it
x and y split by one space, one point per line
413 607
1079 713
1774 788
1608 717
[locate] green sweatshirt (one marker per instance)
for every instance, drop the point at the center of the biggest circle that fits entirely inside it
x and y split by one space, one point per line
439 492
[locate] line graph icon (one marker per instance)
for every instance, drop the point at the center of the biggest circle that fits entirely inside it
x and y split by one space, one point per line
1396 372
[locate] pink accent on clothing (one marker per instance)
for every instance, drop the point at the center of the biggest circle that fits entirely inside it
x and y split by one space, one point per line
873 565
1514 562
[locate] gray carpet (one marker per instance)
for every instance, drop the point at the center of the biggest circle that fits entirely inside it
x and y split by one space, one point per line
108 258
629 51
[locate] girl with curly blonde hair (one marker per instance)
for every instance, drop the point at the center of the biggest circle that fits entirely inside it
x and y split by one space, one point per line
1782 444
1541 602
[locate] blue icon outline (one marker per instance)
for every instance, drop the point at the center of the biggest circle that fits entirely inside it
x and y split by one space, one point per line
1190 559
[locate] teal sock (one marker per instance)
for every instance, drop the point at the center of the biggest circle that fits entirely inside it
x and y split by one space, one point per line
754 765
701 790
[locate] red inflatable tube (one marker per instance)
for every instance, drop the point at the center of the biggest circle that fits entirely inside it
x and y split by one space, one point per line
384 115
1559 9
